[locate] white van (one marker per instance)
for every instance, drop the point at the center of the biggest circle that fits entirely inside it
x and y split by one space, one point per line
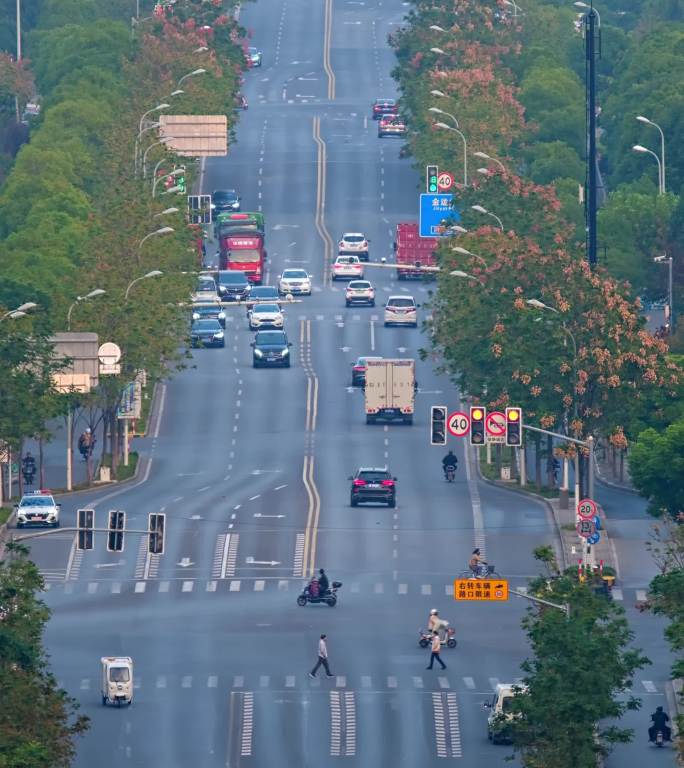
401 310
500 712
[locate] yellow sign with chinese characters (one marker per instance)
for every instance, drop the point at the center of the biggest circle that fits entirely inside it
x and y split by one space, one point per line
480 589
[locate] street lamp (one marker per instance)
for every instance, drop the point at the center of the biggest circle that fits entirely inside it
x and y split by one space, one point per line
20 311
439 51
590 8
516 7
446 127
645 120
485 156
153 273
640 148
438 111
165 212
460 273
466 252
177 92
670 296
483 171
194 72
155 144
480 209
201 49
435 92
137 143
91 295
158 108
172 174
436 28
161 231
458 228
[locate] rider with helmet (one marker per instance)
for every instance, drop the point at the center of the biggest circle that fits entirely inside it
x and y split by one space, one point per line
449 460
660 720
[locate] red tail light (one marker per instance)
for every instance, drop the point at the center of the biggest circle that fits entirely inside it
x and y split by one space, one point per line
359 368
358 483
388 483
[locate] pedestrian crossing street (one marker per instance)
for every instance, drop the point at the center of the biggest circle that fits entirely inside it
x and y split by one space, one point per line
54 582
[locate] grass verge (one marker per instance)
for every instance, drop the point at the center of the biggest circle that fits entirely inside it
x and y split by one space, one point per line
5 512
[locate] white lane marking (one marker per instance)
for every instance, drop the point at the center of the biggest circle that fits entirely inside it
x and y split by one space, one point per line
493 682
259 585
186 682
140 586
440 726
235 586
444 682
366 681
469 682
649 686
164 586
161 681
280 487
188 586
372 335
417 681
247 724
641 595
212 681
473 490
289 681
238 681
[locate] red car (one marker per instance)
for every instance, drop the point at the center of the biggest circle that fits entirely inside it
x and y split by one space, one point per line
391 126
382 107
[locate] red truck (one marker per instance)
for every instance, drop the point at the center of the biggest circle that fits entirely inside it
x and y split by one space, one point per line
413 251
244 252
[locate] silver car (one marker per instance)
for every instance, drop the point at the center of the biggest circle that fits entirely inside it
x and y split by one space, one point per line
294 281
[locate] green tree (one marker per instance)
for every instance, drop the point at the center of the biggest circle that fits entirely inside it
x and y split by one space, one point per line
656 465
552 160
38 721
566 701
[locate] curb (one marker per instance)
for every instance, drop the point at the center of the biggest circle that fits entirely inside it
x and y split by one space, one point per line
673 693
560 546
611 484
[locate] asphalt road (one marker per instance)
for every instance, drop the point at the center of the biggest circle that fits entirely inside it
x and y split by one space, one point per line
251 468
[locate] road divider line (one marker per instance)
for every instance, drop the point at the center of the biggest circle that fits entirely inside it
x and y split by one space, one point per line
319 219
327 42
310 513
317 513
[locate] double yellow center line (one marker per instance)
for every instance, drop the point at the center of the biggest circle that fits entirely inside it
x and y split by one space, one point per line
327 40
314 499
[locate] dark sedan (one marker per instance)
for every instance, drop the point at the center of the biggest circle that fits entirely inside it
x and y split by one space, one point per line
232 285
374 485
259 293
225 201
209 311
271 348
207 333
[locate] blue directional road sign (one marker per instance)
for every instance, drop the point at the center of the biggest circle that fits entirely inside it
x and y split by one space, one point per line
434 209
594 539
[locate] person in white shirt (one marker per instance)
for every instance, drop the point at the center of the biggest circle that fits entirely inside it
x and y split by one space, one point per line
322 658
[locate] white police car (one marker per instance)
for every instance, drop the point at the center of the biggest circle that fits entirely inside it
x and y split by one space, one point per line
37 508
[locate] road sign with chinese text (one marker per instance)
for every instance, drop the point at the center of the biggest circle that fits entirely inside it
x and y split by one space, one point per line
435 210
586 528
481 589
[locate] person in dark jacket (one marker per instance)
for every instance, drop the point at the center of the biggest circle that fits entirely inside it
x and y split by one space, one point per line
323 582
660 720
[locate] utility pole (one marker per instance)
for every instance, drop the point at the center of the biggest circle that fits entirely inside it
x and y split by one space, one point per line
16 98
592 48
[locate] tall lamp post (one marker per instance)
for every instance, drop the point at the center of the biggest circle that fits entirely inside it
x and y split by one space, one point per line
646 121
154 144
160 231
481 209
485 156
646 150
194 72
20 311
153 273
91 295
670 296
445 127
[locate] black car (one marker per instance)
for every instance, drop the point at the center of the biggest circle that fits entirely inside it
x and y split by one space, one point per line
225 201
271 348
259 293
207 333
373 485
232 285
209 311
382 107
359 370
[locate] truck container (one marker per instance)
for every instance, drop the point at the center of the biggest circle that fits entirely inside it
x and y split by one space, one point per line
244 252
389 390
411 250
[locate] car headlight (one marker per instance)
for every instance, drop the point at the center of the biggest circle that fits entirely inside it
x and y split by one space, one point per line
218 335
285 352
221 315
195 316
258 353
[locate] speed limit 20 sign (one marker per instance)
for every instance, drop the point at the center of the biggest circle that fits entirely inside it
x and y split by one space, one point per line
458 424
586 509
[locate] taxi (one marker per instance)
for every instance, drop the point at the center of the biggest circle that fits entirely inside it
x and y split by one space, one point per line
37 508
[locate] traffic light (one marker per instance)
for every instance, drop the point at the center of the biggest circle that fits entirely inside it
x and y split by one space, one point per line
117 525
438 415
513 426
478 414
86 523
155 544
180 181
431 179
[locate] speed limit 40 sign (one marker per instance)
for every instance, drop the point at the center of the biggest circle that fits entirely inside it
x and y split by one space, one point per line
458 424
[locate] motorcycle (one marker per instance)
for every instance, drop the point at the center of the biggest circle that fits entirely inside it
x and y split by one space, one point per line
329 596
450 473
447 636
659 738
28 476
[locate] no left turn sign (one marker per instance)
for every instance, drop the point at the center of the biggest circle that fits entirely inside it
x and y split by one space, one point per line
458 423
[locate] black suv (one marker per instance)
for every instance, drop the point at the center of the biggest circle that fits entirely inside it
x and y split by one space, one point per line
271 348
372 484
232 285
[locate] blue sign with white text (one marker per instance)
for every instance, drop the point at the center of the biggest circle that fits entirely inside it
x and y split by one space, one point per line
434 211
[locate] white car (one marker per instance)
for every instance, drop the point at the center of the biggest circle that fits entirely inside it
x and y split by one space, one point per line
360 292
294 281
354 243
37 508
401 310
265 316
347 268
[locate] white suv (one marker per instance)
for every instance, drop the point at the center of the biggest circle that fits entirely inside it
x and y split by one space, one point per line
354 243
37 508
401 310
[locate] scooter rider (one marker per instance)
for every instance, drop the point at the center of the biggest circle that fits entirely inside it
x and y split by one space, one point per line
28 466
323 583
660 720
449 460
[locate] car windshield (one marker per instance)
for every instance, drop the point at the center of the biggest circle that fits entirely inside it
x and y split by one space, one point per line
206 285
267 308
385 102
359 285
206 309
245 256
232 278
507 704
294 274
374 475
354 238
37 501
264 292
347 260
206 325
119 674
224 196
401 303
271 337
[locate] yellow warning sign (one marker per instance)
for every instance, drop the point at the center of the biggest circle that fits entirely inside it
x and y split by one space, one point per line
480 589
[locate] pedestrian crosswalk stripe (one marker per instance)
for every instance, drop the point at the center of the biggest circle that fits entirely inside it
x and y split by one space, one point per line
444 682
290 681
92 587
116 587
259 585
161 681
212 681
469 682
85 684
264 681
164 585
379 588
140 586
341 681
391 681
238 681
426 589
449 589
186 682
617 594
641 595
649 686
235 586
137 682
283 585
403 589
211 586
417 681
188 585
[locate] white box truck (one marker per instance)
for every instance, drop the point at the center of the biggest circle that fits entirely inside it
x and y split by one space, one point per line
390 390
